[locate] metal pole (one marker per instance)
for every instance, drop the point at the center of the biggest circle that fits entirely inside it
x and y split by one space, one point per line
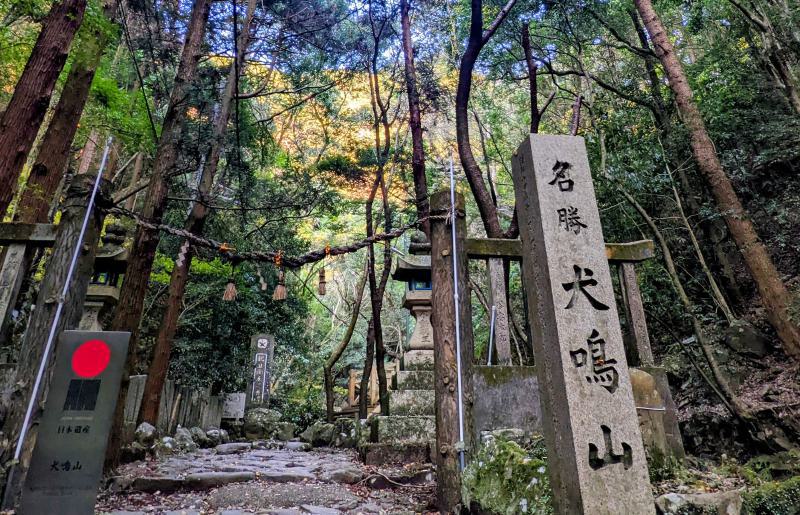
491 334
458 317
8 497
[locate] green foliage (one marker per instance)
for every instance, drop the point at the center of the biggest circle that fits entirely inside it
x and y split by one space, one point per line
774 498
664 468
302 405
507 479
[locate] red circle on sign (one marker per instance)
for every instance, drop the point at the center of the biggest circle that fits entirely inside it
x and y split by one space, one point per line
91 358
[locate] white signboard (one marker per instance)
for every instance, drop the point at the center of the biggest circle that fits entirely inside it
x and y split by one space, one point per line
233 405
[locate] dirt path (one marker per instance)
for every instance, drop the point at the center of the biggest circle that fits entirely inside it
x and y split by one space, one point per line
238 478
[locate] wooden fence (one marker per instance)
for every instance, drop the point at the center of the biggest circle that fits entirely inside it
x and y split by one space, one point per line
180 405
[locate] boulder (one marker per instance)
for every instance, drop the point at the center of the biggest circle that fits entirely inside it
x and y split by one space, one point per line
745 339
720 503
345 433
284 431
297 446
145 434
260 423
165 446
184 439
133 452
200 438
214 437
224 436
319 434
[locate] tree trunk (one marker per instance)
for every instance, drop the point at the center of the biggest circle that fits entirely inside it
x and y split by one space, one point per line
414 120
774 294
483 198
363 394
138 165
54 149
143 250
157 373
536 116
25 112
339 350
734 404
15 401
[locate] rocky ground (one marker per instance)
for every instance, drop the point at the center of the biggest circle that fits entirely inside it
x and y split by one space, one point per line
268 478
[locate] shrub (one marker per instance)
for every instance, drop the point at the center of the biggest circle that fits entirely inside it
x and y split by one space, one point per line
507 479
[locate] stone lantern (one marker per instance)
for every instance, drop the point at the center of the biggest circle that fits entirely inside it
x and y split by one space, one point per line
415 270
109 267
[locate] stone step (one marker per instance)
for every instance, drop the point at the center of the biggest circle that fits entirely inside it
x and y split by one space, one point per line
395 453
411 403
414 380
417 360
399 429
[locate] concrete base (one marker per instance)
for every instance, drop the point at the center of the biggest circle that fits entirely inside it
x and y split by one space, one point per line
506 398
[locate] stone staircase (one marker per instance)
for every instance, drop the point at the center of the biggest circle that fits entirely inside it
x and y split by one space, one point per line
408 433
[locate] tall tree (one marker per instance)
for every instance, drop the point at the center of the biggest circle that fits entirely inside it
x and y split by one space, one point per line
478 37
140 263
157 372
54 150
26 110
414 119
774 294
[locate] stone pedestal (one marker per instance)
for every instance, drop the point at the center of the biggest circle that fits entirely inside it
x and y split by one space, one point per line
406 435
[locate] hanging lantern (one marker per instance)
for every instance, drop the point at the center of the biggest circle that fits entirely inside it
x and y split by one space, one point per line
280 289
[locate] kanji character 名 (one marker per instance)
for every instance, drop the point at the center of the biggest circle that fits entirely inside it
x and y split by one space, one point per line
561 176
579 285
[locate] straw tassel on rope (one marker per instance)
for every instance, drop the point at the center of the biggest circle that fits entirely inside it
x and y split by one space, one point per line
321 288
230 289
280 289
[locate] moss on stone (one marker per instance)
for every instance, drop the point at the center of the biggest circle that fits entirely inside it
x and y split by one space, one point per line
500 375
774 498
507 479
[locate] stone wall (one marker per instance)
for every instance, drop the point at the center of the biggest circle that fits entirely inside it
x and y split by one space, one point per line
506 398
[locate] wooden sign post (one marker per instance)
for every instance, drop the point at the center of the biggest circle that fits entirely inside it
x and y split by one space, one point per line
597 461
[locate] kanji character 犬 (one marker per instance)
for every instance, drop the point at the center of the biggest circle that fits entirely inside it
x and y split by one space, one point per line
578 284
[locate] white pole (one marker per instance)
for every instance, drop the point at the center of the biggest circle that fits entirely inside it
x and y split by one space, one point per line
56 318
458 317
